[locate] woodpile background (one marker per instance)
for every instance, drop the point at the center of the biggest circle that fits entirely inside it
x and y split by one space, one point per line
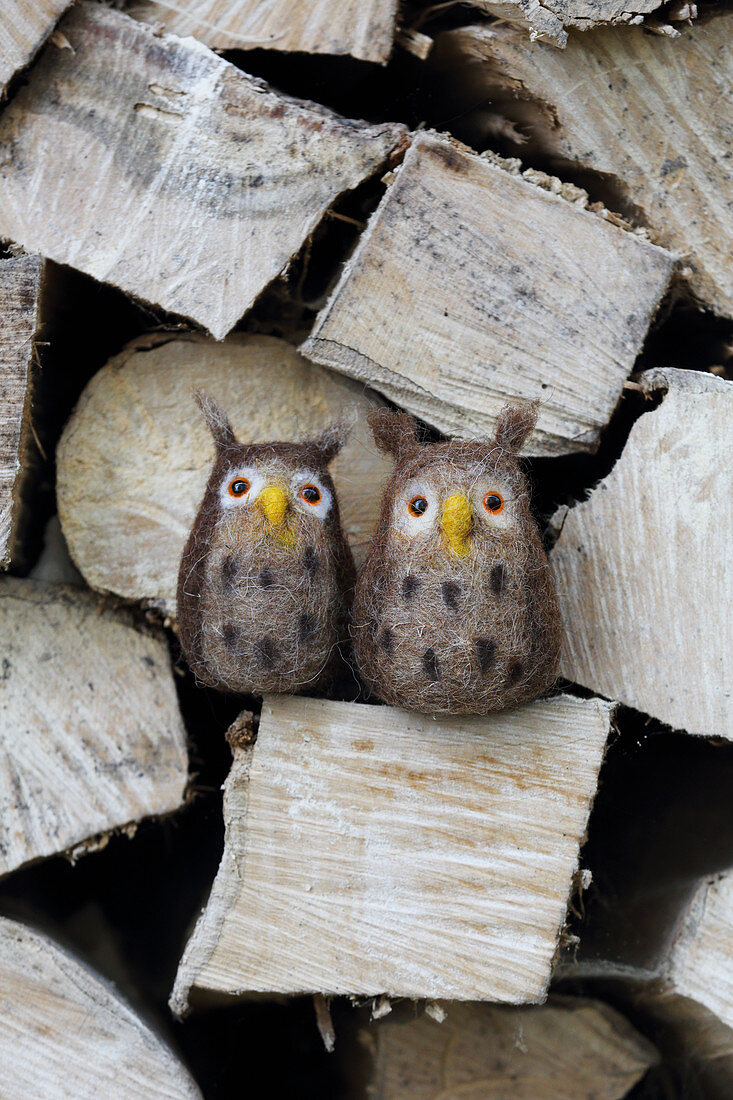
322 205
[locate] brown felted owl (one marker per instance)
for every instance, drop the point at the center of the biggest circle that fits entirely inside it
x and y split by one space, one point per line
455 610
266 577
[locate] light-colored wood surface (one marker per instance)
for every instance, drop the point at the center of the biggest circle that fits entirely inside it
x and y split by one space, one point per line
566 1049
370 850
24 26
65 1034
550 20
140 409
91 738
440 309
640 567
362 28
641 109
20 315
152 164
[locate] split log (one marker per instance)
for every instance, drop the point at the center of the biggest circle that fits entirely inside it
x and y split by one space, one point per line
20 316
642 110
66 1033
639 565
371 851
567 1048
440 309
91 738
152 164
140 409
551 19
24 27
362 28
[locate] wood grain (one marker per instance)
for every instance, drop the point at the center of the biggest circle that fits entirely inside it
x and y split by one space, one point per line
639 566
373 851
24 26
565 1049
550 19
20 316
140 408
441 311
150 163
65 1032
362 28
91 738
643 110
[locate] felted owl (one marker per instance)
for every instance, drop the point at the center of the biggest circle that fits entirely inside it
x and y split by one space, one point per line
454 609
266 577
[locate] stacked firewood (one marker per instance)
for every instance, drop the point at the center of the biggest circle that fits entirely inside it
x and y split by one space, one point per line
306 208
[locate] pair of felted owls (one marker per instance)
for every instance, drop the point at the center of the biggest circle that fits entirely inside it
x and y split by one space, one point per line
453 612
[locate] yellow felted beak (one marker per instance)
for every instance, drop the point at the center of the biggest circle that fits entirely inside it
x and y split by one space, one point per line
273 500
456 522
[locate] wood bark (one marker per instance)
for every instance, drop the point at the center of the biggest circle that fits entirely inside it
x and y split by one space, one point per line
441 311
642 110
549 20
24 26
362 28
568 1048
140 408
65 1032
639 565
152 164
20 313
373 851
91 738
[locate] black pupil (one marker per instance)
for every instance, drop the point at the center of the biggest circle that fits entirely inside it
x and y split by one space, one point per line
311 494
493 502
239 488
419 505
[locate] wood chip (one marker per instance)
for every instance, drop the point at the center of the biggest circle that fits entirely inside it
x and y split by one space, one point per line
66 1033
550 20
152 164
91 738
140 409
643 111
566 1049
24 26
373 851
439 309
362 28
20 312
640 566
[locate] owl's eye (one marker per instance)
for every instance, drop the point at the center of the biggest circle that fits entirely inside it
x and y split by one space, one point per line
493 502
239 487
417 506
311 494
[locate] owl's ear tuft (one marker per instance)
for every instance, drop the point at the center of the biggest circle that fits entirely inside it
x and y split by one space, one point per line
395 433
328 444
217 420
516 423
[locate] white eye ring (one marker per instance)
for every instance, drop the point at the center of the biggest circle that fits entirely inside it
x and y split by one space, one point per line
307 479
246 475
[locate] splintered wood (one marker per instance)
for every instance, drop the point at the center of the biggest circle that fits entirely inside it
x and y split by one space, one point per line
551 19
24 26
65 1032
373 851
362 28
565 1049
150 163
20 290
440 309
643 110
91 738
640 567
141 409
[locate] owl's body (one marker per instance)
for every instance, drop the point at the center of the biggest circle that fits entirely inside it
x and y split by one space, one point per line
455 610
266 576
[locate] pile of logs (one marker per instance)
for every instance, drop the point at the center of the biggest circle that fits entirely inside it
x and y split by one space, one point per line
536 903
